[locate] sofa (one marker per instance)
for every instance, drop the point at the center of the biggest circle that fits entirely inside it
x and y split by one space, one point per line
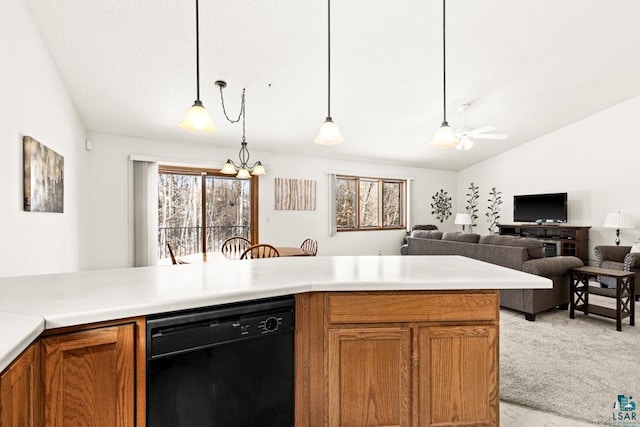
618 258
519 253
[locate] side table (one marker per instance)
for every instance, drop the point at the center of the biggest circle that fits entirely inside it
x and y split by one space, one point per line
624 294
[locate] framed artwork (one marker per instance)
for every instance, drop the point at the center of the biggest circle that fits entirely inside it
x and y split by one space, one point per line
295 194
43 178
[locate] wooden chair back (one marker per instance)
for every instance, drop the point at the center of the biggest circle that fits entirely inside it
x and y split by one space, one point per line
262 250
174 260
234 247
310 246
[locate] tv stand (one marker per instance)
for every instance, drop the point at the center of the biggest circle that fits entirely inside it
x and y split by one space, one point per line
569 240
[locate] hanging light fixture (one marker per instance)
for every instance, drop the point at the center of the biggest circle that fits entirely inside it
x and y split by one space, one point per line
444 137
329 133
197 118
242 171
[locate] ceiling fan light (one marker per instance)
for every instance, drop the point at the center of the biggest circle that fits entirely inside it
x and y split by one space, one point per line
198 119
329 134
243 173
228 168
444 137
259 170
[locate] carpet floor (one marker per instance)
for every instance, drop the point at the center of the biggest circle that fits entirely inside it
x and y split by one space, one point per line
574 368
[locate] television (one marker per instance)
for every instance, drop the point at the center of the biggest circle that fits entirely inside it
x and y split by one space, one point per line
540 207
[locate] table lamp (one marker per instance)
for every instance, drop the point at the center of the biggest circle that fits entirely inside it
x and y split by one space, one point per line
463 219
618 221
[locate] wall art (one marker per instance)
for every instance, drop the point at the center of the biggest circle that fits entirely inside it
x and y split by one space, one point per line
295 194
441 205
472 204
43 177
493 215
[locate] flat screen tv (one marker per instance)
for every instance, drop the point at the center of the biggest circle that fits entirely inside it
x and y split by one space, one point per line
545 207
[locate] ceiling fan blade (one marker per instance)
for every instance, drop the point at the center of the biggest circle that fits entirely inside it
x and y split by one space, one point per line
483 129
491 136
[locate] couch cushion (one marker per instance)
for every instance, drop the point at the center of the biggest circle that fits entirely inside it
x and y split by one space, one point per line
457 236
427 234
533 246
424 227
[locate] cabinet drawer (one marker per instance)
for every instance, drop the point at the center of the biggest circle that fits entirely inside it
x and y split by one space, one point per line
370 307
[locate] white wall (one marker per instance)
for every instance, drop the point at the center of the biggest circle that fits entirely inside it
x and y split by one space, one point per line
107 238
596 161
34 102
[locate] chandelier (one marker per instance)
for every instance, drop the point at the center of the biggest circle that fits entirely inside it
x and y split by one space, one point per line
243 170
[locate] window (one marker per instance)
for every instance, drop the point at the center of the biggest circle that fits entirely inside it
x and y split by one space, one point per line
199 209
364 203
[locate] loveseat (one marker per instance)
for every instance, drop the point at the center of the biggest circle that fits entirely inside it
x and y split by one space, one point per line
520 253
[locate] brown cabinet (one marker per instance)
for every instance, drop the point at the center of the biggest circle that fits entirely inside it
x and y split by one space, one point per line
565 239
20 403
89 377
397 358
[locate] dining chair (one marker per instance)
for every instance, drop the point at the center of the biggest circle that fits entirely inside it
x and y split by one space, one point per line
310 246
235 246
174 260
262 250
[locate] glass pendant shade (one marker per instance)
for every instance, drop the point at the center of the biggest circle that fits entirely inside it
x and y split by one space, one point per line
465 144
329 134
444 137
243 174
198 119
228 168
258 170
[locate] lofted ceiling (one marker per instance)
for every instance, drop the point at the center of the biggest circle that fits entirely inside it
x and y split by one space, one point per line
527 68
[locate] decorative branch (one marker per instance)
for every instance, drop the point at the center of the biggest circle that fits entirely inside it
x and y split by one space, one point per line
472 204
441 205
493 215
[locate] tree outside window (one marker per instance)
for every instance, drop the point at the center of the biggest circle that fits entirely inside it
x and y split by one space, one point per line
364 203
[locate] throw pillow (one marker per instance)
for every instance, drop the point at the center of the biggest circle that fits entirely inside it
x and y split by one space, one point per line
635 249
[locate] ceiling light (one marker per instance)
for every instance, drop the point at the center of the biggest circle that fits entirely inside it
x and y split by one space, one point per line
444 137
197 118
242 171
329 133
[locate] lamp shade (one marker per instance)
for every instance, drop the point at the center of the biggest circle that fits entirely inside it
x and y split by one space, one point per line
258 170
198 119
463 219
329 134
618 221
444 137
243 174
228 168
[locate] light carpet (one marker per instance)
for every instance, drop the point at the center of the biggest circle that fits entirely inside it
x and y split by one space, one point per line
571 367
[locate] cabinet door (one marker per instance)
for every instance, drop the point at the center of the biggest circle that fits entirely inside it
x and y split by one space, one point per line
369 372
20 391
458 376
89 378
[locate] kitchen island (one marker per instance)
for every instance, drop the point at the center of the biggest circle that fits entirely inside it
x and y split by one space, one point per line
423 306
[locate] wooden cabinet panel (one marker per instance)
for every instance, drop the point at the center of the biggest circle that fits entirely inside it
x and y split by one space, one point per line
458 370
369 377
363 307
20 404
89 377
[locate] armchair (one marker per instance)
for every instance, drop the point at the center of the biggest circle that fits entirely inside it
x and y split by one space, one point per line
618 258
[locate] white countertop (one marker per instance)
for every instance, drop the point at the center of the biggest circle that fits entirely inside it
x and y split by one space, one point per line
94 296
17 331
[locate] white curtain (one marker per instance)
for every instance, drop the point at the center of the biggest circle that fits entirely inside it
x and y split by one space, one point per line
145 213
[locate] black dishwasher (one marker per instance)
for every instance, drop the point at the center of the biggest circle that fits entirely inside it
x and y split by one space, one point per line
225 366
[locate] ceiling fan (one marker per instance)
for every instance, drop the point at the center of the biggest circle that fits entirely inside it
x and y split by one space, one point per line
466 136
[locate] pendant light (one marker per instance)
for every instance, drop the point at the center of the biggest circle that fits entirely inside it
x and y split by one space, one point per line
197 118
243 170
329 133
444 137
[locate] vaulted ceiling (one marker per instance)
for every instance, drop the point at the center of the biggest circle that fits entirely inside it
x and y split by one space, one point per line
526 67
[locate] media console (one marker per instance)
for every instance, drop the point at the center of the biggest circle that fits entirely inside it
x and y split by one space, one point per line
568 240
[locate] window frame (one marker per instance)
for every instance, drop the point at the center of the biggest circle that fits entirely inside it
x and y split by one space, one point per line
381 182
204 173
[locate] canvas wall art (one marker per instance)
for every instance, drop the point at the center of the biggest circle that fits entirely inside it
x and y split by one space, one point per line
43 177
295 194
